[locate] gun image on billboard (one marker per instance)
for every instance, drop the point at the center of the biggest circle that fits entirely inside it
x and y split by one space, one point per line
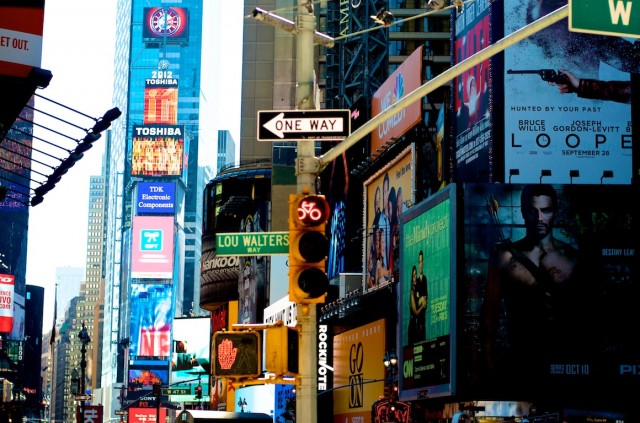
548 75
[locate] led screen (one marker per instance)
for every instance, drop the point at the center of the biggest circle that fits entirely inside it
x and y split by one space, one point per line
158 150
152 250
190 359
161 98
152 310
165 24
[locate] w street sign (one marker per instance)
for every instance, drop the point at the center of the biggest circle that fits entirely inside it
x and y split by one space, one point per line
606 17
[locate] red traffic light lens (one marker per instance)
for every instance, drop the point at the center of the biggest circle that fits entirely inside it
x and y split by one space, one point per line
313 210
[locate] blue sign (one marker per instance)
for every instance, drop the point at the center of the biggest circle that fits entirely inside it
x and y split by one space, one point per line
156 197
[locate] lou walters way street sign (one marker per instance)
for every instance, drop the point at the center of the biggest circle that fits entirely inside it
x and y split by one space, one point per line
252 244
296 125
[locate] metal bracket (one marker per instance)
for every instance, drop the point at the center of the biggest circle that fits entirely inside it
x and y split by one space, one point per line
307 165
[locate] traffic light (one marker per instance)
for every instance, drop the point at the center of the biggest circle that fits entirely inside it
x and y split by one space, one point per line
308 248
237 354
281 350
199 391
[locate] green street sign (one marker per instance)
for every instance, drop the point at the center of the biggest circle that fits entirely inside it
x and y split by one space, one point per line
176 391
605 17
252 244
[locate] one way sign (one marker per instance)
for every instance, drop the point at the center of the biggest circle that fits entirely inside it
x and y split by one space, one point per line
295 125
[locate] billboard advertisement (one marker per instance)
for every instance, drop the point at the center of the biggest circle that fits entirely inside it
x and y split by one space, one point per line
143 374
405 79
7 285
146 415
358 356
152 310
471 94
20 37
156 197
568 110
190 360
165 25
427 306
387 194
161 98
158 150
237 202
15 163
152 249
550 286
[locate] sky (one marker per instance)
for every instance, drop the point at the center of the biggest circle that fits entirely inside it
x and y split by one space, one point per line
78 48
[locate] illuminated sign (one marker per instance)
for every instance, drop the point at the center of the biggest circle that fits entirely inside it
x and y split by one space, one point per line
237 354
156 197
152 252
158 150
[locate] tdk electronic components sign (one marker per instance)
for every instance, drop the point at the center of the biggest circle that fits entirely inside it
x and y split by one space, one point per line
156 197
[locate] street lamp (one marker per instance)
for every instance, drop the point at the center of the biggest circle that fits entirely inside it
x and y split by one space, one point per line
84 338
390 362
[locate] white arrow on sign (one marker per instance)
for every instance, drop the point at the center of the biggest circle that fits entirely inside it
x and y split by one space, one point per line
279 125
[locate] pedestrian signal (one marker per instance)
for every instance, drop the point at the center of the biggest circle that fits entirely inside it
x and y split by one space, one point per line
237 354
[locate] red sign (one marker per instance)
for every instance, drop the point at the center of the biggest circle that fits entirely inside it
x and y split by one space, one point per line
146 415
90 414
6 302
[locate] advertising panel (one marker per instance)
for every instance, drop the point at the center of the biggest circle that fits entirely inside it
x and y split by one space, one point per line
358 352
152 249
387 194
190 363
427 283
15 163
161 98
567 111
165 24
146 415
20 37
404 80
152 310
7 283
237 203
143 374
91 414
472 94
156 197
158 150
550 288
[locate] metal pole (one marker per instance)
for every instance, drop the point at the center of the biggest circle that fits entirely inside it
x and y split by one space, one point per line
442 79
306 171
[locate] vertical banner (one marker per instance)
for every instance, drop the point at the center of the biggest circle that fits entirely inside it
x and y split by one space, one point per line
472 93
7 283
152 310
567 102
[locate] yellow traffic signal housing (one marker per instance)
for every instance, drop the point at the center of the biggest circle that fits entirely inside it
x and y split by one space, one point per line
308 248
237 354
281 350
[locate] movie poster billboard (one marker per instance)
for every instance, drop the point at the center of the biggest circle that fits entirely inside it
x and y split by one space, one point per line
402 81
152 311
357 358
161 99
152 249
427 305
15 163
165 25
567 107
158 150
471 94
190 362
550 287
387 194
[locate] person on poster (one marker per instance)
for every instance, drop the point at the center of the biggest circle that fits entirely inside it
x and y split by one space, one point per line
384 222
418 301
618 91
528 285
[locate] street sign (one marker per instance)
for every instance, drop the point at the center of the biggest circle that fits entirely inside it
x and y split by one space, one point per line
176 391
613 17
83 397
120 412
296 125
252 244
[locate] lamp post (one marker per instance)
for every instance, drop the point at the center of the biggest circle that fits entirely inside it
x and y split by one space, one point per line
84 338
390 362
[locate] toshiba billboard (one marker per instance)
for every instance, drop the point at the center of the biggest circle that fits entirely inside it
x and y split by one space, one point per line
405 79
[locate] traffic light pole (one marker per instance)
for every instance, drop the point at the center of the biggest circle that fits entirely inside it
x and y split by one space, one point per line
306 171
